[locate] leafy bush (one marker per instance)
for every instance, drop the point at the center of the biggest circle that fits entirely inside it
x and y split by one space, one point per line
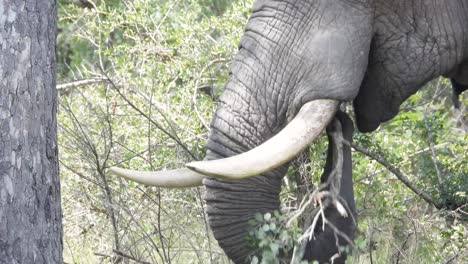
273 241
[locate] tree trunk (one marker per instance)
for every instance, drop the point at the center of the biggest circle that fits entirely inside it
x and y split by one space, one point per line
30 214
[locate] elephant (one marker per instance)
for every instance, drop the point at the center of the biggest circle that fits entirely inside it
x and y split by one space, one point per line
297 60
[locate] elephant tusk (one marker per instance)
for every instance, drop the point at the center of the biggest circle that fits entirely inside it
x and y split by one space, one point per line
312 118
179 178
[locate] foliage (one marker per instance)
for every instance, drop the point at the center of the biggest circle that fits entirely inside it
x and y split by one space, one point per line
273 241
168 61
427 141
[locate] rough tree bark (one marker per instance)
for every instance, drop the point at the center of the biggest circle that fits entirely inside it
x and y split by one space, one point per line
30 214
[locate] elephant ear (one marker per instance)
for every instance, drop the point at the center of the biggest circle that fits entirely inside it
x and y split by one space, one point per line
457 89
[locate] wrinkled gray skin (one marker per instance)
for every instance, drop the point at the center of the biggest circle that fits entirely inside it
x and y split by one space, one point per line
373 52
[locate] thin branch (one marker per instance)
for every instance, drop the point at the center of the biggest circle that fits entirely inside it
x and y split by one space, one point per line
95 159
138 225
157 125
102 255
122 254
437 94
150 160
407 158
434 158
82 82
195 90
205 223
402 177
185 236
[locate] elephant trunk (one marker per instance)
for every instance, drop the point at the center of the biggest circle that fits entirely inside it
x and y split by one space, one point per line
230 206
239 125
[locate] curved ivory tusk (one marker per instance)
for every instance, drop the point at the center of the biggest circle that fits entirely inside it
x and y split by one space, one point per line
179 178
313 117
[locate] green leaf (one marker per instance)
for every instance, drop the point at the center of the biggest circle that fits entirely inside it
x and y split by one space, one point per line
274 248
267 217
254 260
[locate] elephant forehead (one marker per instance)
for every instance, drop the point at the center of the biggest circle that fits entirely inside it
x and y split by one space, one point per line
410 48
329 47
415 39
331 57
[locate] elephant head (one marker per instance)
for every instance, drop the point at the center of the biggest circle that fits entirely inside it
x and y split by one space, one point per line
296 61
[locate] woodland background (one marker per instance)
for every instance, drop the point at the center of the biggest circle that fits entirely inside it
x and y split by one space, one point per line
138 82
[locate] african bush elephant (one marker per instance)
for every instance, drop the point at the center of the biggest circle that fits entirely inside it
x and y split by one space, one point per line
296 61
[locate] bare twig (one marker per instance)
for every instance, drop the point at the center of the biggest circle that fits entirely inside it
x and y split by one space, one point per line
452 259
179 227
94 157
195 90
156 124
408 158
437 94
79 83
402 177
205 223
161 235
122 254
434 158
102 255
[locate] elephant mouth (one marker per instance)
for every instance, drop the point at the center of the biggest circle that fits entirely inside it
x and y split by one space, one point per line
306 126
